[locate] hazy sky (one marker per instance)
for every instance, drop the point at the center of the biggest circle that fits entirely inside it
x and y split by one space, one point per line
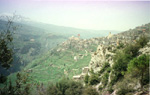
86 14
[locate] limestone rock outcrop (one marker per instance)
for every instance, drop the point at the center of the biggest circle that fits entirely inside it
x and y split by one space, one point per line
146 49
101 56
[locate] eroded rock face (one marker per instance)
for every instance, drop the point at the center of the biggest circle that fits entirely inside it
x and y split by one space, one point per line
104 53
146 49
99 58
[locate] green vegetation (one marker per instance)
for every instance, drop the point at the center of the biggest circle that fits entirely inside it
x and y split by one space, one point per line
53 65
6 38
29 43
140 66
123 88
104 79
124 56
127 62
6 58
90 91
51 68
93 79
6 53
19 83
86 79
143 40
120 63
104 73
105 66
51 73
63 87
21 86
121 45
69 87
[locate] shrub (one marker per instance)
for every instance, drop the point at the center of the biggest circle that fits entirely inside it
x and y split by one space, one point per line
124 91
105 66
66 87
21 86
124 86
121 60
114 78
146 78
105 79
142 41
90 91
121 45
107 56
132 50
53 90
100 87
75 88
93 79
110 89
63 85
108 69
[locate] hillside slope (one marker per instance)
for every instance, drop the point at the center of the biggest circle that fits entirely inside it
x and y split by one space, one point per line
108 65
68 58
33 39
28 43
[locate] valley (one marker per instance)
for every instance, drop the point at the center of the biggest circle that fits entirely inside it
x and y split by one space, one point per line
69 57
47 57
74 47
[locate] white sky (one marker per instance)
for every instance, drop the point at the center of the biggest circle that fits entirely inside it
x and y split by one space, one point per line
97 15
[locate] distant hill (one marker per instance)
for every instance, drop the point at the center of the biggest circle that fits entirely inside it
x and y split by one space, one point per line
70 31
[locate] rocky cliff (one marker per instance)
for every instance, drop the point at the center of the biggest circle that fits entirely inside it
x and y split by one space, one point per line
106 47
105 52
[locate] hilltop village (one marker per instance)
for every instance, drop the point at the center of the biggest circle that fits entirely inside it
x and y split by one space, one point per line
112 39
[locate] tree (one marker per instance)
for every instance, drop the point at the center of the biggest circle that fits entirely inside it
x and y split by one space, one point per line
53 90
123 57
120 63
139 67
6 39
6 49
133 49
93 79
63 85
21 86
75 88
66 87
142 41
